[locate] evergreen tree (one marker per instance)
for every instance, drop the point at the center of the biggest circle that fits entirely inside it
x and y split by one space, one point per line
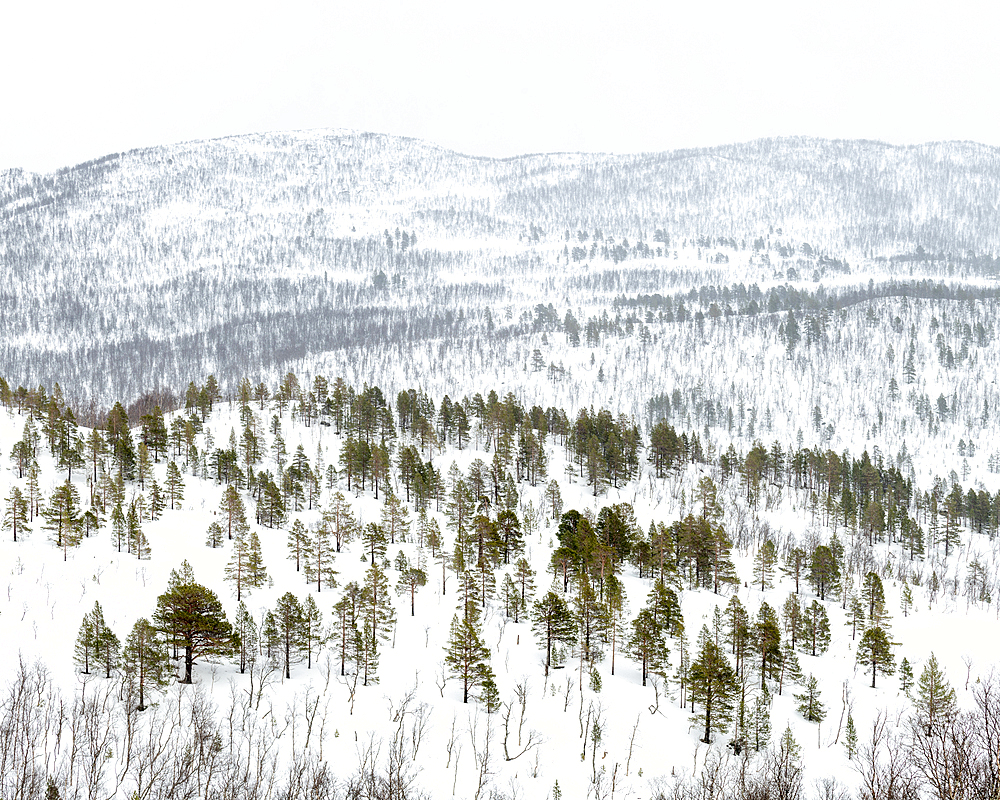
156 501
312 629
553 624
299 544
524 575
791 671
288 624
145 665
905 676
138 545
96 643
340 521
851 739
214 536
411 579
233 512
648 644
875 650
713 685
906 600
935 702
238 565
15 518
763 565
873 597
816 629
395 518
466 656
737 623
192 618
767 643
62 517
808 703
824 571
119 527
511 598
796 564
855 615
348 610
379 613
613 615
246 631
760 721
375 541
174 485
256 572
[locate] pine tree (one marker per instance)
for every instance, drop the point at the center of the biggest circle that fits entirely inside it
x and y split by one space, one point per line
855 615
816 624
375 541
379 612
466 655
791 618
767 643
525 577
875 650
312 629
233 511
511 597
906 600
256 575
214 536
737 623
319 567
145 466
613 614
851 739
760 721
83 653
174 485
97 643
395 518
348 611
553 624
824 571
340 521
137 542
648 644
299 544
288 631
192 618
763 565
15 518
905 676
236 568
935 701
62 517
156 502
808 703
791 671
873 597
144 660
246 630
411 579
713 684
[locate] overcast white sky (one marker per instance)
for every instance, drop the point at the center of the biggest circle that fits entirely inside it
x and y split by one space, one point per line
82 79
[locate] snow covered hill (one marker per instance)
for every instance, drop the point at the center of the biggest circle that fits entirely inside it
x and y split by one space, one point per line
587 728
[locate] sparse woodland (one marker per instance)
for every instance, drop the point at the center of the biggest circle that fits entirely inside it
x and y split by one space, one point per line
343 466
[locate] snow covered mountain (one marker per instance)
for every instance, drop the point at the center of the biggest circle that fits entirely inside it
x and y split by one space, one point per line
243 255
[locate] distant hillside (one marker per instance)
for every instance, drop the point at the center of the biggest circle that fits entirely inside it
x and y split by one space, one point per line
239 254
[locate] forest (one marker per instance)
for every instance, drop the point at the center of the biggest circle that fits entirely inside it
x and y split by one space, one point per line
342 466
